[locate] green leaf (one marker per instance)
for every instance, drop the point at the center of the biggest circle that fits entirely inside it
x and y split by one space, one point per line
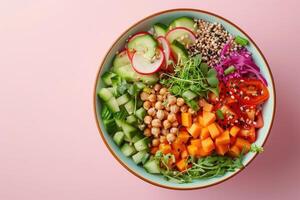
213 81
215 90
204 68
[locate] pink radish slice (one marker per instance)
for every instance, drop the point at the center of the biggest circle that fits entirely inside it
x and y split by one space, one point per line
166 47
181 34
143 65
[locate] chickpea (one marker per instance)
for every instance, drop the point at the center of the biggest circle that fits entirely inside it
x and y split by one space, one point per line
174 108
160 114
191 111
152 112
167 108
184 108
144 96
163 91
147 119
171 99
147 105
155 131
174 130
160 98
162 139
159 105
155 142
156 123
152 91
180 101
172 117
147 132
166 114
165 131
171 138
157 87
152 98
166 124
176 124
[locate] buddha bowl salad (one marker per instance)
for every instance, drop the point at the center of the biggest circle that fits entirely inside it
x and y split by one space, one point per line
184 100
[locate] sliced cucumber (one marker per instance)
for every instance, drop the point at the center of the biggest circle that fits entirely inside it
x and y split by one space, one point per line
160 29
144 44
105 94
106 78
179 51
126 72
110 125
139 156
185 22
131 119
129 106
137 137
152 166
140 113
142 144
149 79
128 129
118 137
145 158
121 59
128 149
113 105
189 95
123 99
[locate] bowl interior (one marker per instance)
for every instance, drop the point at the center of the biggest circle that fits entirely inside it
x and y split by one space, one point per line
166 17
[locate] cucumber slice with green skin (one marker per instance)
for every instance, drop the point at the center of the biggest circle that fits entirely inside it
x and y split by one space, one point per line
105 94
121 59
112 90
113 105
106 78
110 125
182 35
128 150
137 137
140 113
129 106
185 22
189 95
142 144
123 99
127 72
152 166
145 158
129 130
131 119
139 156
160 29
118 137
179 51
144 44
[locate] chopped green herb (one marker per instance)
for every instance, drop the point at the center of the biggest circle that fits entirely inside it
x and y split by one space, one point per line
220 114
229 70
256 149
240 40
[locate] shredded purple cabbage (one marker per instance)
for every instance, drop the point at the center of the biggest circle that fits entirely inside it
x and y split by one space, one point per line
242 62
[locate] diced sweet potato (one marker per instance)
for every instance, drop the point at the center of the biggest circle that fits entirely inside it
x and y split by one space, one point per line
224 138
234 151
186 119
184 154
208 144
221 149
183 136
208 107
196 142
192 149
194 130
213 130
208 118
200 119
204 133
182 165
234 131
202 153
243 144
165 148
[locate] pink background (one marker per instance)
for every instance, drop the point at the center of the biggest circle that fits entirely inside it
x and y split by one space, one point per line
49 56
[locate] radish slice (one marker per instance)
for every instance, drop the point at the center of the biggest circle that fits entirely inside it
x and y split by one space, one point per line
129 53
182 35
143 65
166 47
